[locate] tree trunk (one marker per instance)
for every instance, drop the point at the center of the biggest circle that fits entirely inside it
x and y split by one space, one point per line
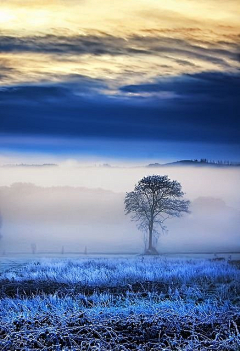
150 246
151 250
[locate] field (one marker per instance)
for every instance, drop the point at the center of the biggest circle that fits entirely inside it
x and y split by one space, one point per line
141 303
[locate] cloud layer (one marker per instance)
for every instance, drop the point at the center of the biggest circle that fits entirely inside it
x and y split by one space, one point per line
202 108
145 71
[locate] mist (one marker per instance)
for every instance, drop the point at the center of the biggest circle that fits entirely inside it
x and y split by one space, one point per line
74 206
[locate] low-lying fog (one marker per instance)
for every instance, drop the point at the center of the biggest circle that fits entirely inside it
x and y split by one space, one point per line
76 206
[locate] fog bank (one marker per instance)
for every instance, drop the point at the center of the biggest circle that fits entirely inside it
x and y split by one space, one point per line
74 206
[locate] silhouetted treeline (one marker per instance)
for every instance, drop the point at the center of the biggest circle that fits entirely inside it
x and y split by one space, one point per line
219 162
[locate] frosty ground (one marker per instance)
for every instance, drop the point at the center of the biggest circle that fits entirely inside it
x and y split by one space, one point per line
140 303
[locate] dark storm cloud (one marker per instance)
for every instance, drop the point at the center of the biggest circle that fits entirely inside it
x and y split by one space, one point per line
91 44
103 44
185 63
207 101
204 107
202 85
18 95
76 84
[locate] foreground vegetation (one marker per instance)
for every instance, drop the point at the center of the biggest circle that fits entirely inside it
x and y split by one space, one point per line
121 304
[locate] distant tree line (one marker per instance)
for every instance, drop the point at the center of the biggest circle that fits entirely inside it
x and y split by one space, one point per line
219 162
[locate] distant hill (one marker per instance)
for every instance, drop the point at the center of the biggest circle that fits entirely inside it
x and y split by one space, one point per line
27 202
198 163
31 165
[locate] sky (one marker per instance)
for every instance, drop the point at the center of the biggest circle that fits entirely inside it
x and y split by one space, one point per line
118 80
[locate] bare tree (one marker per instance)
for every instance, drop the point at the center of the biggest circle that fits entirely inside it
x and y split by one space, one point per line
155 199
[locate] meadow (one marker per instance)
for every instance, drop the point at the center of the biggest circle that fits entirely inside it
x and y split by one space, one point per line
139 303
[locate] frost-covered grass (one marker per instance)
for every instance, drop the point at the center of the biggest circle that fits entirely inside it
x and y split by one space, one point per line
119 324
132 304
115 272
